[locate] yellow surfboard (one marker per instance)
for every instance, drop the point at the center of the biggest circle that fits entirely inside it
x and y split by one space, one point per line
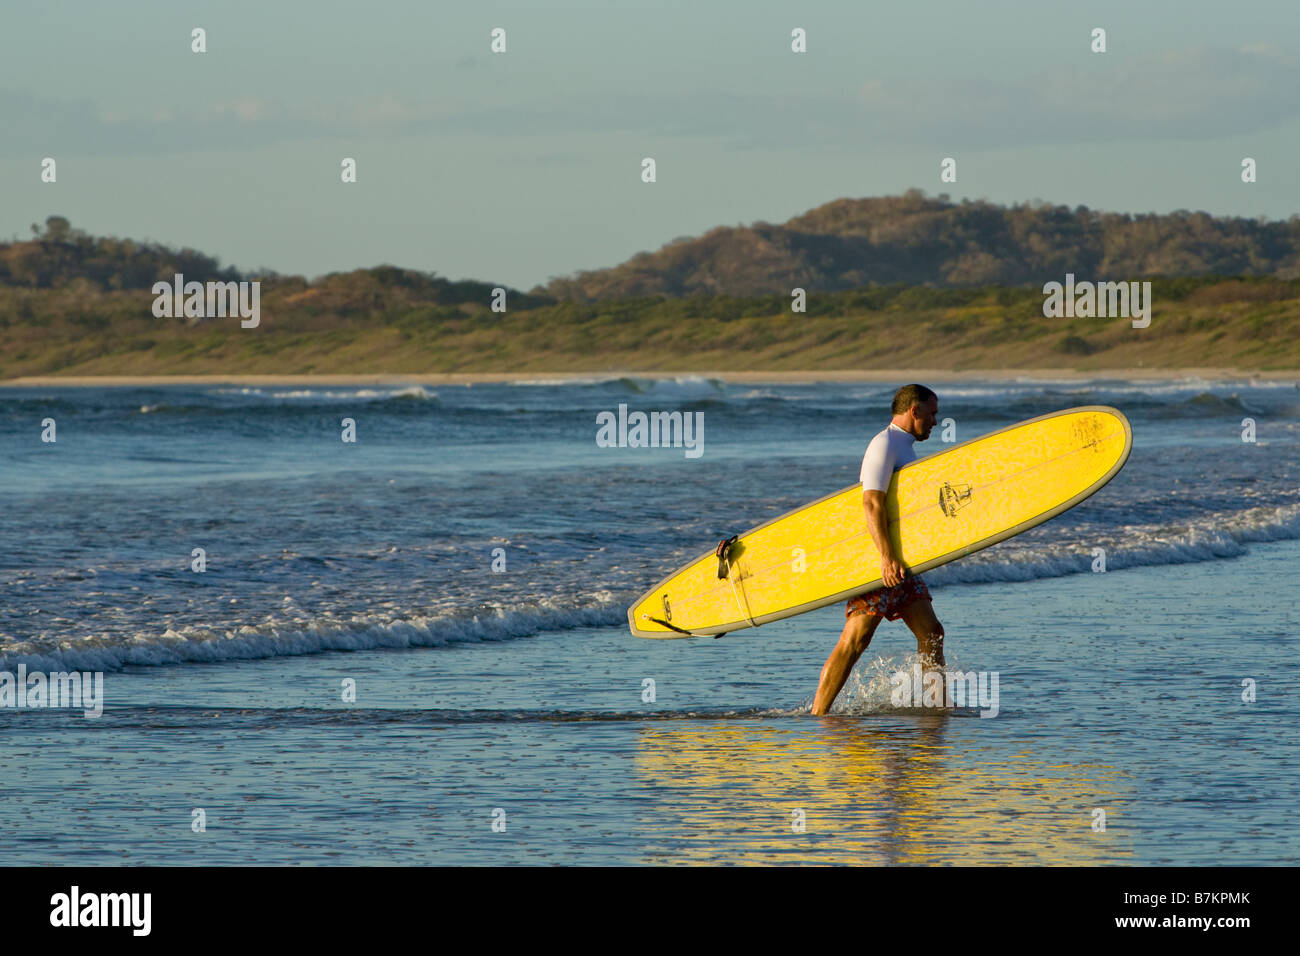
941 507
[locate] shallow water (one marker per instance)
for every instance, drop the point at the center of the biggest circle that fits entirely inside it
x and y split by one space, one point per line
523 691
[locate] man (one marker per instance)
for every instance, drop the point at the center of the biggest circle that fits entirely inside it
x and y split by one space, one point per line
915 409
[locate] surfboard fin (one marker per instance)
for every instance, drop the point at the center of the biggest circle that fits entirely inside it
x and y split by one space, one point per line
724 556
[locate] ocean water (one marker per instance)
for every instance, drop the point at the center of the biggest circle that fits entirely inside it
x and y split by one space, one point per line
466 566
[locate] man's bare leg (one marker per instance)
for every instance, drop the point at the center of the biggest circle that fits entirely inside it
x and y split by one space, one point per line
853 641
919 616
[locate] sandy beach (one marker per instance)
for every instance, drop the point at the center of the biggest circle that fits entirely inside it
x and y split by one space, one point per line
787 377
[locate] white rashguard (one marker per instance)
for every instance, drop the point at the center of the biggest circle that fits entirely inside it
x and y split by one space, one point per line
889 451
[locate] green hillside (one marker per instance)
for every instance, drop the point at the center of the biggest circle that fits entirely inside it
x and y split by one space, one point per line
1245 323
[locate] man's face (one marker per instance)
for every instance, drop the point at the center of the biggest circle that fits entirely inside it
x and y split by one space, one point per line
925 417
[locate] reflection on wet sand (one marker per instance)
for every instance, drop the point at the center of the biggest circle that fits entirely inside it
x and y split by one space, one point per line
872 793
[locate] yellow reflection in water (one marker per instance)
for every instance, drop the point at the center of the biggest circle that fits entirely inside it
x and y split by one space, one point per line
726 792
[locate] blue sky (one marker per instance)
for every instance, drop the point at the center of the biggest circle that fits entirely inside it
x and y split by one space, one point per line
526 165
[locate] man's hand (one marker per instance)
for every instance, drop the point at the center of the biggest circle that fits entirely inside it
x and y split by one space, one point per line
891 571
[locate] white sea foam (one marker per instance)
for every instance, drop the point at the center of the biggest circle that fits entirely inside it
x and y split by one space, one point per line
1208 538
408 391
684 386
1184 386
199 645
554 382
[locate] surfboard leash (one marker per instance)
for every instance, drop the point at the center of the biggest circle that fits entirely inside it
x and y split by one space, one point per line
671 627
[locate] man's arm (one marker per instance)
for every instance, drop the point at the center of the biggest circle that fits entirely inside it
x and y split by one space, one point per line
878 524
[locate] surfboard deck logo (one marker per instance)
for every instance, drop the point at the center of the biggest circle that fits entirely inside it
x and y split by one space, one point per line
953 497
941 507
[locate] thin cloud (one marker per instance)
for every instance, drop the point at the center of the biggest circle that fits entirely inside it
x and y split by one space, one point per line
1192 94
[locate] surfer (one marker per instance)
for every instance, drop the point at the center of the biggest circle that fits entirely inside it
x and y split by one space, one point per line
915 409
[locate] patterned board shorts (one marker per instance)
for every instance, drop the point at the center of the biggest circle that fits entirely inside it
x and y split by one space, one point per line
888 602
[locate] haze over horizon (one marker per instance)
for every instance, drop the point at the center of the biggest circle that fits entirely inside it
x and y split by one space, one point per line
526 165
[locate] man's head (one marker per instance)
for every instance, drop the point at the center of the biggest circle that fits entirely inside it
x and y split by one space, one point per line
915 410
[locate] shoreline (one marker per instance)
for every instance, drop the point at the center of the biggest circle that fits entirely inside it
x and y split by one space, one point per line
747 377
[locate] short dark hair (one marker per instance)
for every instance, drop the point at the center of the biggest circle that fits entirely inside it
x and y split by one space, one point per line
910 395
